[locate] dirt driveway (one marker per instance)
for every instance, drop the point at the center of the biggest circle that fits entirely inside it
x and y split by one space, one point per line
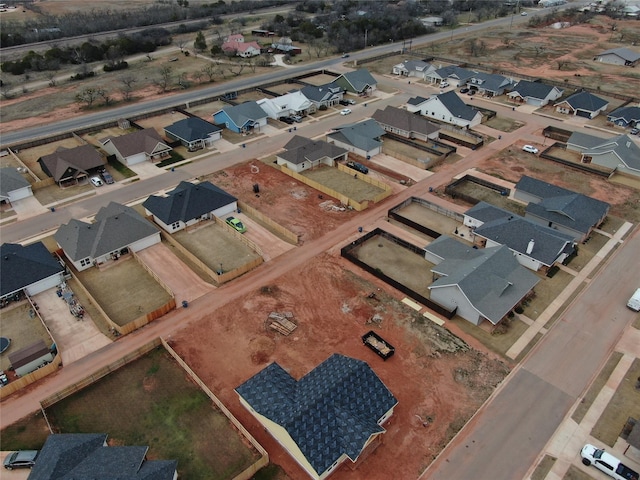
183 282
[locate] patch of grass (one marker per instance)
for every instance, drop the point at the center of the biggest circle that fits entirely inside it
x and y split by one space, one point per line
152 402
174 157
625 403
504 124
575 473
119 167
270 472
546 292
28 433
544 467
596 386
498 343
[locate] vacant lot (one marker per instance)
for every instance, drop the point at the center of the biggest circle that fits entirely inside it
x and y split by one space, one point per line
343 183
152 401
332 310
288 202
124 290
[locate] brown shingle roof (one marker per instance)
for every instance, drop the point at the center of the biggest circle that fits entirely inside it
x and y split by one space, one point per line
81 159
145 140
404 120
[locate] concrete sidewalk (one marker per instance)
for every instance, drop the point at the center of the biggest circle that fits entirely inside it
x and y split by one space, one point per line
570 436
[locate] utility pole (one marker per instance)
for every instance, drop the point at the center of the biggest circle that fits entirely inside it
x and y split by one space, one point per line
365 37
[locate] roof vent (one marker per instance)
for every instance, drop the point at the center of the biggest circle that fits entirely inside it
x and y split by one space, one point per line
530 246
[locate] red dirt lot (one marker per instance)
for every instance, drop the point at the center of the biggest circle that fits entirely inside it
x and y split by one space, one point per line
437 390
285 200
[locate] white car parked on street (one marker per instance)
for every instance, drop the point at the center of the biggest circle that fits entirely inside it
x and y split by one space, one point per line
345 111
530 149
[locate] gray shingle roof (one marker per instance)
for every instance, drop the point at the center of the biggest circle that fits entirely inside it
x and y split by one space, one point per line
454 71
146 140
300 149
404 120
321 93
456 106
417 100
517 232
624 53
22 266
537 90
490 278
66 162
628 114
363 135
622 146
247 112
10 181
73 456
116 226
333 410
188 201
359 79
564 207
415 65
491 82
192 129
585 101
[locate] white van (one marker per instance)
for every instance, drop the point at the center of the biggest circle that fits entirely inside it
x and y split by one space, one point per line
634 301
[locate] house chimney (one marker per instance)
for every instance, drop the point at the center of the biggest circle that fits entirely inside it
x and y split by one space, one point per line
530 246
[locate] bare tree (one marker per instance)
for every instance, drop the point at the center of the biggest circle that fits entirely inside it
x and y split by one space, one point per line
51 76
88 96
209 70
104 94
5 89
197 76
164 80
126 89
562 63
237 68
181 44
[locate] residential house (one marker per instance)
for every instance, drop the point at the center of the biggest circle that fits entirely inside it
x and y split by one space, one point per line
625 116
194 133
292 103
582 104
363 138
412 68
334 413
481 284
452 74
619 153
446 107
30 358
359 82
326 95
619 56
534 93
561 209
88 455
116 231
137 147
302 153
189 204
13 186
70 166
551 3
31 269
243 118
285 45
535 246
432 21
242 49
406 124
489 84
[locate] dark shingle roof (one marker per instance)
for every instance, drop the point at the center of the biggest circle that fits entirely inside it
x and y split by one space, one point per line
63 160
537 90
456 106
454 71
359 79
621 146
333 410
10 181
188 201
72 456
564 207
417 100
116 226
191 129
363 135
490 278
492 82
404 120
321 92
585 101
244 113
22 266
300 149
628 114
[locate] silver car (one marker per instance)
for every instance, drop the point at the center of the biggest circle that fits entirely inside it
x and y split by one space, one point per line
21 459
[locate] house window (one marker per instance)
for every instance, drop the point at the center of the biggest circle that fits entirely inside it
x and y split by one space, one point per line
175 225
84 262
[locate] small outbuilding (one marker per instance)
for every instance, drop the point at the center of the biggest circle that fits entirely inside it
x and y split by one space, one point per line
30 358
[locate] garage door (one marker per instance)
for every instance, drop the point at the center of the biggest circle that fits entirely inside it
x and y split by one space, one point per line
582 113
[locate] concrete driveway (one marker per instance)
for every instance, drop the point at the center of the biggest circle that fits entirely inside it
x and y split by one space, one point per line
19 474
74 338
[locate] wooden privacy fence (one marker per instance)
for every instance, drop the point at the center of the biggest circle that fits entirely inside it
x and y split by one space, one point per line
264 459
32 377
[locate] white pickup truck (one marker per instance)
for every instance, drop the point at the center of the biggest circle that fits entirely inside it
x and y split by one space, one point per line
607 463
634 301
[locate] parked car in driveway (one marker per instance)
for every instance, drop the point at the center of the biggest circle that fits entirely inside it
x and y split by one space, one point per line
358 166
108 179
530 149
287 120
345 111
464 90
21 459
606 463
96 181
236 224
634 131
